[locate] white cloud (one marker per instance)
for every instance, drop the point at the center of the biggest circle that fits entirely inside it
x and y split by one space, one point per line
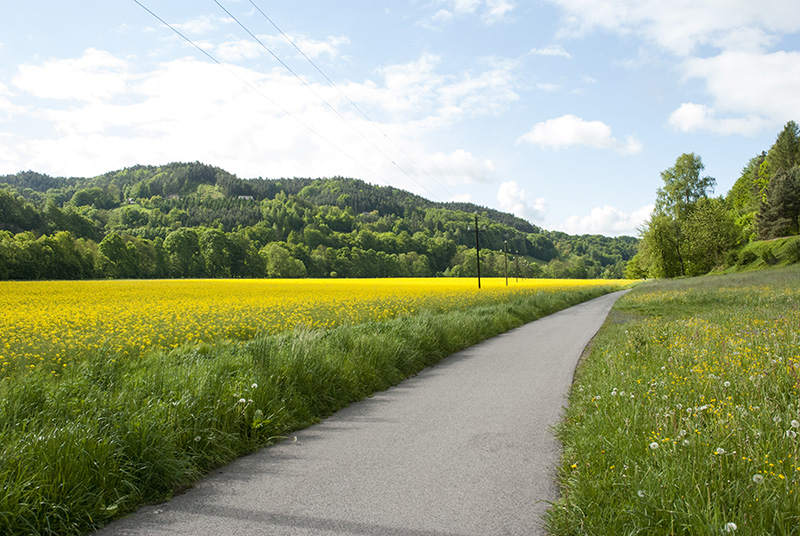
489 11
570 130
496 10
690 117
756 89
233 51
187 110
608 220
458 167
417 89
461 198
551 50
511 198
680 26
97 75
200 25
329 47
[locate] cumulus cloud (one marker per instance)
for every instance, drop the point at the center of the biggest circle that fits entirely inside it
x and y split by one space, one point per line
233 51
511 198
200 25
329 47
691 117
608 220
489 11
551 50
458 167
570 131
681 26
462 198
755 89
190 110
96 75
418 88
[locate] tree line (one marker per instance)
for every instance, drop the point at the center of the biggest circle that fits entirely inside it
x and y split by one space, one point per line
691 233
194 220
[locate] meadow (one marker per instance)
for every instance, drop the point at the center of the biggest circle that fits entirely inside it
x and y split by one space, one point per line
685 417
120 393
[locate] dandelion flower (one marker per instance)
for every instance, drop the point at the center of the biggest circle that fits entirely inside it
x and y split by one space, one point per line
791 434
242 401
758 479
727 384
254 386
730 527
640 493
197 439
653 445
720 451
795 423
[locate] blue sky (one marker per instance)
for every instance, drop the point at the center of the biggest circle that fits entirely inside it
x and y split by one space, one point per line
562 111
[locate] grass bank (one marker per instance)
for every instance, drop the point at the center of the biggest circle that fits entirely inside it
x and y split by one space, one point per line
111 434
685 417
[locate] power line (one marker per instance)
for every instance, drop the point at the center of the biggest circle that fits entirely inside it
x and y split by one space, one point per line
331 82
321 98
261 93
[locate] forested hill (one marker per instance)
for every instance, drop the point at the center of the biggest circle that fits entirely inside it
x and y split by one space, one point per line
195 220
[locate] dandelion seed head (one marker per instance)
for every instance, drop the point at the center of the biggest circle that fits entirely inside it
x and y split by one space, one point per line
758 478
640 493
795 423
730 527
653 445
720 451
254 386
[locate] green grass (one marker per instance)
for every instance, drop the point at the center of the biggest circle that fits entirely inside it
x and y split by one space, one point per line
112 434
763 254
684 418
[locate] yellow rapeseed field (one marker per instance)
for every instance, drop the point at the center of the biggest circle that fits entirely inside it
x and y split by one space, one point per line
53 323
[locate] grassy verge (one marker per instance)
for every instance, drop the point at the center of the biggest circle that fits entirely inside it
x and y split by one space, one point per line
111 434
684 419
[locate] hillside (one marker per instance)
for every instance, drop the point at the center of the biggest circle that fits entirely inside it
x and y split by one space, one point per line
195 220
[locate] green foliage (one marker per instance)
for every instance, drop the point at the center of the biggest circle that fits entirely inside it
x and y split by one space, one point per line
780 215
683 186
690 234
192 220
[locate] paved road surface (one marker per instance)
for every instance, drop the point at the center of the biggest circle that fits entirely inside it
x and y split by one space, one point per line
463 448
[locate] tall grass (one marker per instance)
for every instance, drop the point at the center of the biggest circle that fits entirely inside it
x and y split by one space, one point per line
111 434
685 419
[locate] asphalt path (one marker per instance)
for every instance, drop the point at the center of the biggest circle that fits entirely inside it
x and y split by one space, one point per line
463 448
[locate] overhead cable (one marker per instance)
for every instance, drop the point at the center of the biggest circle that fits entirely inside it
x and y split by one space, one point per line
324 101
261 93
